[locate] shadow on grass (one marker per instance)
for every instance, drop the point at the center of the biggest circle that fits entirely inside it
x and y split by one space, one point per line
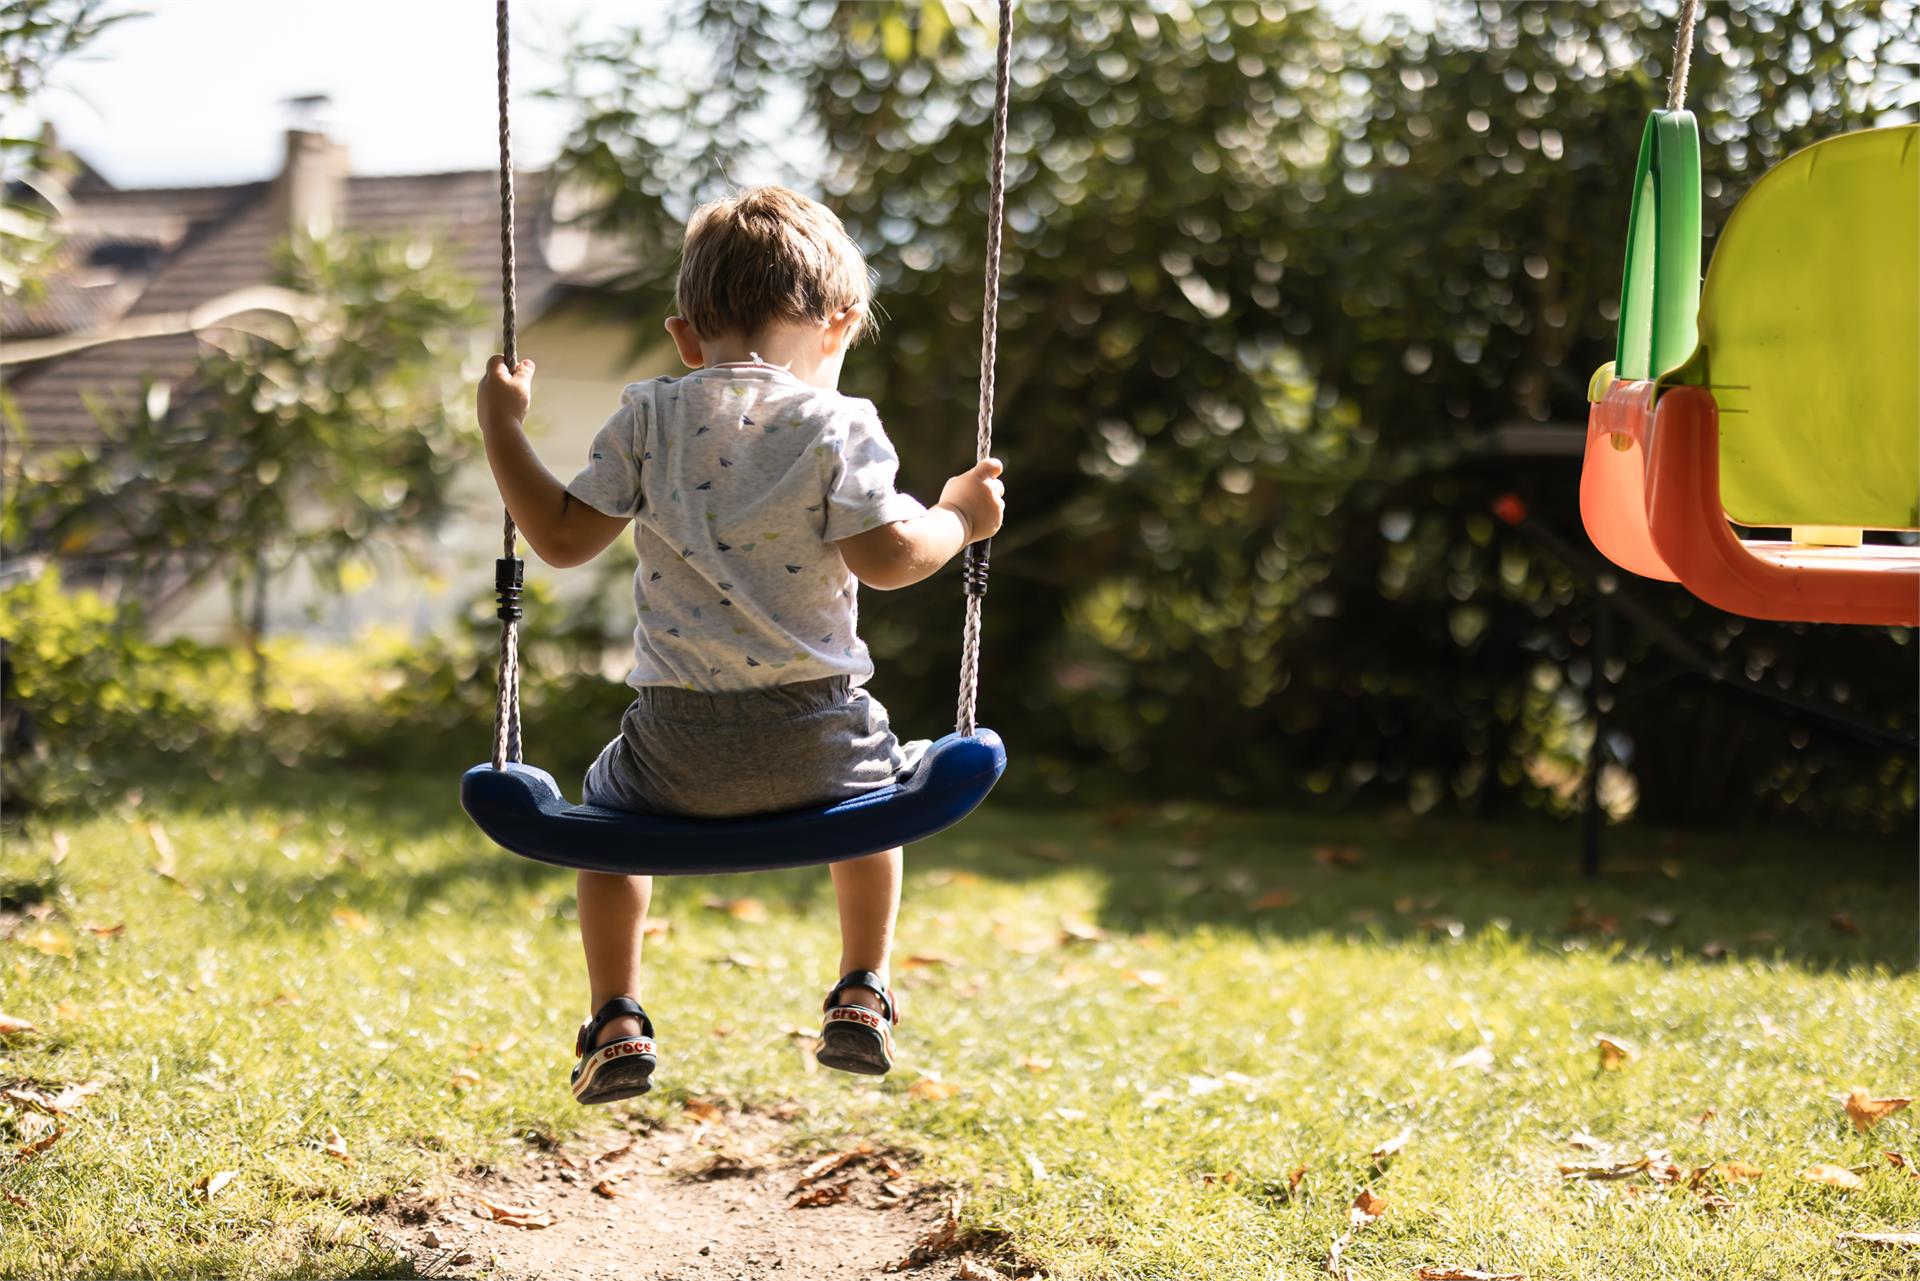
1795 898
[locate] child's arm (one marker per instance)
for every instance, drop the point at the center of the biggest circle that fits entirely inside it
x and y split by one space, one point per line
562 530
907 551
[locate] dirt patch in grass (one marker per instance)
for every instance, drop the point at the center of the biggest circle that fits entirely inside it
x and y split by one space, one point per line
713 1199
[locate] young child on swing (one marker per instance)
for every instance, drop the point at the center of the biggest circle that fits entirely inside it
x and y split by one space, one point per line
761 498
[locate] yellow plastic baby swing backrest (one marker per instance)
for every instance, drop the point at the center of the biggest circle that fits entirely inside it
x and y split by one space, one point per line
1810 338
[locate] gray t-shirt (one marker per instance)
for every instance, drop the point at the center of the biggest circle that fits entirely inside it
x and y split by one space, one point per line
739 479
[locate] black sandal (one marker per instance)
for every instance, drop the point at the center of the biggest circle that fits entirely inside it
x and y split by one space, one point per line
854 1038
620 1069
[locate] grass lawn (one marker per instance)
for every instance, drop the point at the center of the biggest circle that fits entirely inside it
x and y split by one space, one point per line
1234 997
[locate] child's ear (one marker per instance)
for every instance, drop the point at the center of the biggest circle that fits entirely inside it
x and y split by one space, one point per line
692 351
843 327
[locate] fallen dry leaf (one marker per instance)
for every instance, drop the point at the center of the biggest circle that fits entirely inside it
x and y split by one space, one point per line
612 1154
210 1185
1833 1176
72 1096
335 1146
1713 950
1144 978
1366 1208
708 1110
1714 1201
61 847
1444 1272
1898 1240
1900 1162
1843 923
1706 1116
740 909
608 1187
1585 1142
11 1026
39 1138
825 1194
928 1090
1275 898
1606 1170
937 1243
464 1078
833 1163
1335 1249
105 931
1736 1171
972 1271
1074 931
1867 1111
1613 1052
656 928
1036 1063
1666 1172
16 1199
1391 1148
514 1216
927 960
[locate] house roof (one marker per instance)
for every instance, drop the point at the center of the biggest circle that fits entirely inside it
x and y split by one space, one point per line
129 256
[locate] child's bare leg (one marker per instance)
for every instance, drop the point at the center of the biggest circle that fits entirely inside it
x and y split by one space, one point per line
613 917
868 890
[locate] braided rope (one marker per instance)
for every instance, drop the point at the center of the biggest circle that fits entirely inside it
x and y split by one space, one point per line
506 707
976 571
1682 56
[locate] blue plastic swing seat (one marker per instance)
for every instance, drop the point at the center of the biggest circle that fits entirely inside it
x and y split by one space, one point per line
522 810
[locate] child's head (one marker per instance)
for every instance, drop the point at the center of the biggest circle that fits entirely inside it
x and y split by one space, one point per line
769 257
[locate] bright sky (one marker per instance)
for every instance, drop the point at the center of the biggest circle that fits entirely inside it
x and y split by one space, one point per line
193 93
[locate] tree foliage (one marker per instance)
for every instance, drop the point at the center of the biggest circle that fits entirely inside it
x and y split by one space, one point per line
1272 284
35 36
306 442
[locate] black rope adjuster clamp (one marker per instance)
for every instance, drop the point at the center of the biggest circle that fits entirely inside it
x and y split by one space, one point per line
973 567
509 577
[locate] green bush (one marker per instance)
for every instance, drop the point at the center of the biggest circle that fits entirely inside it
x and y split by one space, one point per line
92 700
94 705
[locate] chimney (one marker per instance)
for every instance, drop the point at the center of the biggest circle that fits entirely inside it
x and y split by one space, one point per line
307 194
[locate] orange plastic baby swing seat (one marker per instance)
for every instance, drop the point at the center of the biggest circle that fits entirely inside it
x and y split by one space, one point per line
1671 455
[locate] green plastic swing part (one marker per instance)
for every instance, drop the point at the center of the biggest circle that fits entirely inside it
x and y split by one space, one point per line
1660 290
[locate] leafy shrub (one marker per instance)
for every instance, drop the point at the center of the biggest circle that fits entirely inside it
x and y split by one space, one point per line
91 697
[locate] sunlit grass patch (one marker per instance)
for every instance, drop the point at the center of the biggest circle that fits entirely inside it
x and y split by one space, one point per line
1152 1043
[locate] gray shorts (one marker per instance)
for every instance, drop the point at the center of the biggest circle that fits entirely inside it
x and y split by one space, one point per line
723 755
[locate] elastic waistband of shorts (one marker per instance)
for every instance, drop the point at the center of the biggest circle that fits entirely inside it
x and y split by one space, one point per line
742 706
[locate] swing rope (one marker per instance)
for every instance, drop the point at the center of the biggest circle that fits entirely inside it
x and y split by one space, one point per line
974 565
509 570
1682 56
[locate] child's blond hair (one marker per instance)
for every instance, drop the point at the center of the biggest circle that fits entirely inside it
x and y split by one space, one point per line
766 255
